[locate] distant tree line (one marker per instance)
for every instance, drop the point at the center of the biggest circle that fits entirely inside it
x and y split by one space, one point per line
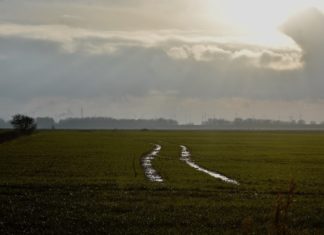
161 123
100 123
111 123
252 123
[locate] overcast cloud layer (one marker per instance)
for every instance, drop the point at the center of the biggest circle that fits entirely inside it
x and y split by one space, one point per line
128 60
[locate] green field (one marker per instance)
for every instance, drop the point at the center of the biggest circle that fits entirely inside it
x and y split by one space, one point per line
82 182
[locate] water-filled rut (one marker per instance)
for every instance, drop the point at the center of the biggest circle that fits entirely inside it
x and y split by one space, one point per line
186 156
149 171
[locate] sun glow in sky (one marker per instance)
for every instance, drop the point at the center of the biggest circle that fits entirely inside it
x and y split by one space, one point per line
258 16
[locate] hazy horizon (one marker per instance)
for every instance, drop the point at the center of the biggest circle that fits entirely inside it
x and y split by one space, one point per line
184 60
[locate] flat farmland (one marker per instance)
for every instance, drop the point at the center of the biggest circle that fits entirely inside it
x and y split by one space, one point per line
81 182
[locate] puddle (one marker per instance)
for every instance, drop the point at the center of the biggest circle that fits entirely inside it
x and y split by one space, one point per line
149 171
186 156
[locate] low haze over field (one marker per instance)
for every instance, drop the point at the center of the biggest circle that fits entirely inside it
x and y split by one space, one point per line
182 59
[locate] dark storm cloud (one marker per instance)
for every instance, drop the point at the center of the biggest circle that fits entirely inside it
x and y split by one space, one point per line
93 66
307 29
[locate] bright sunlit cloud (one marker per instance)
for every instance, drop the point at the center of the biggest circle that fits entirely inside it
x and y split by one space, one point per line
259 16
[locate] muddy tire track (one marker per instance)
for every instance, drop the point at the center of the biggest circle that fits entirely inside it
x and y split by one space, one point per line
186 157
149 171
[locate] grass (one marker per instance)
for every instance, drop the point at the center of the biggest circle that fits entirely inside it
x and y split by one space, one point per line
81 182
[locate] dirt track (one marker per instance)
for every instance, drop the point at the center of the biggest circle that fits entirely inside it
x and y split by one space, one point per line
186 156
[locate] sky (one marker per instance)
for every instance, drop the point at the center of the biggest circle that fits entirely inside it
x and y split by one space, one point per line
183 59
